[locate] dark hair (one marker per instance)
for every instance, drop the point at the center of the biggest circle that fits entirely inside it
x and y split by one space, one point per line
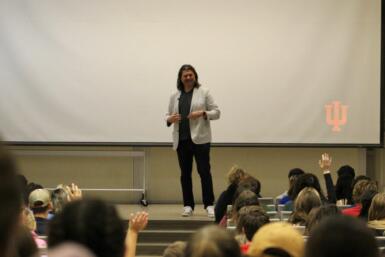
295 172
344 187
250 219
23 187
346 170
91 223
340 236
366 201
10 198
306 180
248 183
212 241
246 198
359 178
318 214
59 198
186 67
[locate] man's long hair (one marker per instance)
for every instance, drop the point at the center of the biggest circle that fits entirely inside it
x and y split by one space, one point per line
186 67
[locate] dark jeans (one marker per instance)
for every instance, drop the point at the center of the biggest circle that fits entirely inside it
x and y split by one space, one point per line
186 151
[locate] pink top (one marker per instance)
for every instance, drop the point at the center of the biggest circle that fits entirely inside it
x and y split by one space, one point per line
41 243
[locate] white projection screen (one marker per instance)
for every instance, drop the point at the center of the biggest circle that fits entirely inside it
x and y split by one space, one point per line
282 72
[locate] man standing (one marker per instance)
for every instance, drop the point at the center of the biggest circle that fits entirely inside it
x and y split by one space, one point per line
190 110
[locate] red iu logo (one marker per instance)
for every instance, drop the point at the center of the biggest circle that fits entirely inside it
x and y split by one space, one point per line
336 115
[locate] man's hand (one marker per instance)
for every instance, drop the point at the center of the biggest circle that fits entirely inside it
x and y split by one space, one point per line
195 115
326 162
174 118
138 221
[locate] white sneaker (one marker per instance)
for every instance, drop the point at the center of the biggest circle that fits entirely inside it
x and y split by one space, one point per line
187 211
210 211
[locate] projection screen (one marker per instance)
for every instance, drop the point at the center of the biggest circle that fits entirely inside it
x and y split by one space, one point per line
282 72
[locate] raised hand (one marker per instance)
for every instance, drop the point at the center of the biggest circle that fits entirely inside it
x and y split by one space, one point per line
326 162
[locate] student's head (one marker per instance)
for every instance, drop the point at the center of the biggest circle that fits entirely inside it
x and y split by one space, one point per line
306 180
361 186
248 183
366 201
175 249
187 75
306 200
246 198
212 241
40 201
28 219
346 170
277 239
59 198
11 200
91 223
377 208
341 236
359 178
318 214
236 175
250 219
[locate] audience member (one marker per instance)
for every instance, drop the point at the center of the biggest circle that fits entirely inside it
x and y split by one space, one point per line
306 200
293 175
277 239
11 200
175 249
234 177
376 215
212 241
341 236
366 201
40 204
316 215
97 226
250 219
360 187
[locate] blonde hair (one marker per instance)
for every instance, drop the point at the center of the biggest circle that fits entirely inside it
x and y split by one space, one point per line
307 199
235 175
377 207
175 249
360 187
29 219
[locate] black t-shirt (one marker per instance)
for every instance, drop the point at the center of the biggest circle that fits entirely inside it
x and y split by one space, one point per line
184 111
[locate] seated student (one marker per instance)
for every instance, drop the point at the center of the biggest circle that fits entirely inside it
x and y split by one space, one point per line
64 194
250 219
277 239
212 241
358 191
306 200
376 215
292 176
11 201
246 198
366 201
175 249
307 180
235 176
28 220
40 204
97 226
341 236
316 215
341 193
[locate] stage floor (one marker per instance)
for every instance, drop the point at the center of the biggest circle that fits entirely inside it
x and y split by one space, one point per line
162 211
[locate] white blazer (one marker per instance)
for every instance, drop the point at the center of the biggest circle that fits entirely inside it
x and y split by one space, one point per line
199 128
